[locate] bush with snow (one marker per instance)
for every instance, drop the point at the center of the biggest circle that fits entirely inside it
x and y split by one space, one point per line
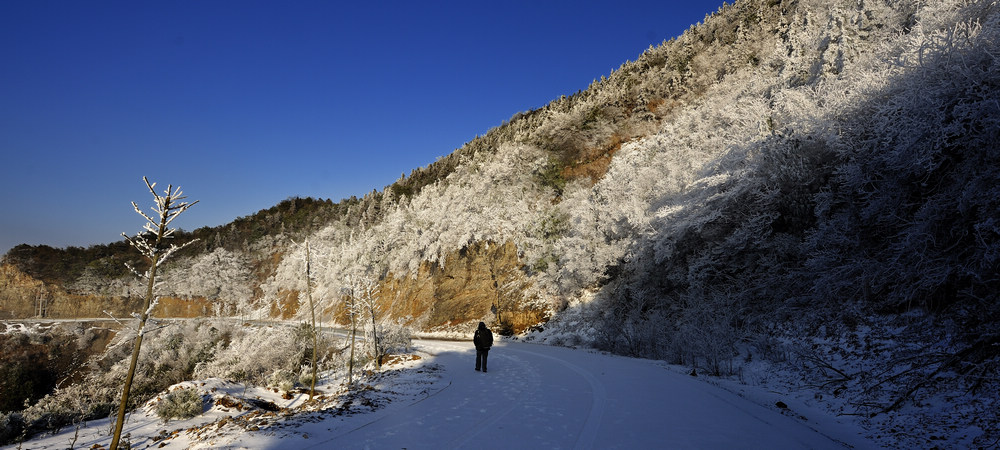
183 403
306 377
283 379
394 337
244 358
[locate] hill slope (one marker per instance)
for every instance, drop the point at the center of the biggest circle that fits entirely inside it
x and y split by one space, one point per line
791 181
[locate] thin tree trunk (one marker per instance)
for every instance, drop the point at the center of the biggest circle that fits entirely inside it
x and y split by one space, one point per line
312 310
123 406
354 333
378 355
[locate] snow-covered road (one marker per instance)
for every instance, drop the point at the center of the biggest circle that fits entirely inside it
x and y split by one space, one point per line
551 397
534 396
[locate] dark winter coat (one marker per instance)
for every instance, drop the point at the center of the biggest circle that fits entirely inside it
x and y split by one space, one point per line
483 337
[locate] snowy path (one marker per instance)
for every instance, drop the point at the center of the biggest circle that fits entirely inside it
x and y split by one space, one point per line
534 396
550 397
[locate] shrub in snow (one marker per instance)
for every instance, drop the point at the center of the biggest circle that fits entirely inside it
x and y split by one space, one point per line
282 379
306 379
394 337
180 404
245 360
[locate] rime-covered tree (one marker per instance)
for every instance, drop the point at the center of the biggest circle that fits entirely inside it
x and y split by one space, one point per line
312 316
364 306
152 244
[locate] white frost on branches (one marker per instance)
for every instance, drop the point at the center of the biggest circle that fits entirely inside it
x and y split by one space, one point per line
166 208
218 275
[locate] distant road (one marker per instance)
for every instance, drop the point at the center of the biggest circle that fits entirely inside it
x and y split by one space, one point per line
111 323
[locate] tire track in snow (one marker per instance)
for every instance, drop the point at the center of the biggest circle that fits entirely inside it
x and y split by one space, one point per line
459 401
598 402
461 441
515 378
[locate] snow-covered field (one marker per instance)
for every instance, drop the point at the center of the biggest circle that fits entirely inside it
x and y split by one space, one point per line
534 396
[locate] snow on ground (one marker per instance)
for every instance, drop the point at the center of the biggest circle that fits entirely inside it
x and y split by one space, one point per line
534 396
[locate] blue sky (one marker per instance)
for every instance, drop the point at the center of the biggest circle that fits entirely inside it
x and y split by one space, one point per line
245 103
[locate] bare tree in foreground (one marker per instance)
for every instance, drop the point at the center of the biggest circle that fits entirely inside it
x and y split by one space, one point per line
150 242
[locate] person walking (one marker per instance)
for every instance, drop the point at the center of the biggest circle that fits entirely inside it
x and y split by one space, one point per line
483 340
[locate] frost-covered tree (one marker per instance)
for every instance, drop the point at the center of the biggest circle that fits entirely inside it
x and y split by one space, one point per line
153 244
221 274
363 306
312 317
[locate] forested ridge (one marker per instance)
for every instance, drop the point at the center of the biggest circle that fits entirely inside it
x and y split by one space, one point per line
808 183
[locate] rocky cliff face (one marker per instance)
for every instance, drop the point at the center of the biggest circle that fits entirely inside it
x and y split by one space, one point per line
19 293
22 296
482 282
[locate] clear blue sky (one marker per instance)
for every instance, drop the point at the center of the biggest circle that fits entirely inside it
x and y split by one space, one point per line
246 103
